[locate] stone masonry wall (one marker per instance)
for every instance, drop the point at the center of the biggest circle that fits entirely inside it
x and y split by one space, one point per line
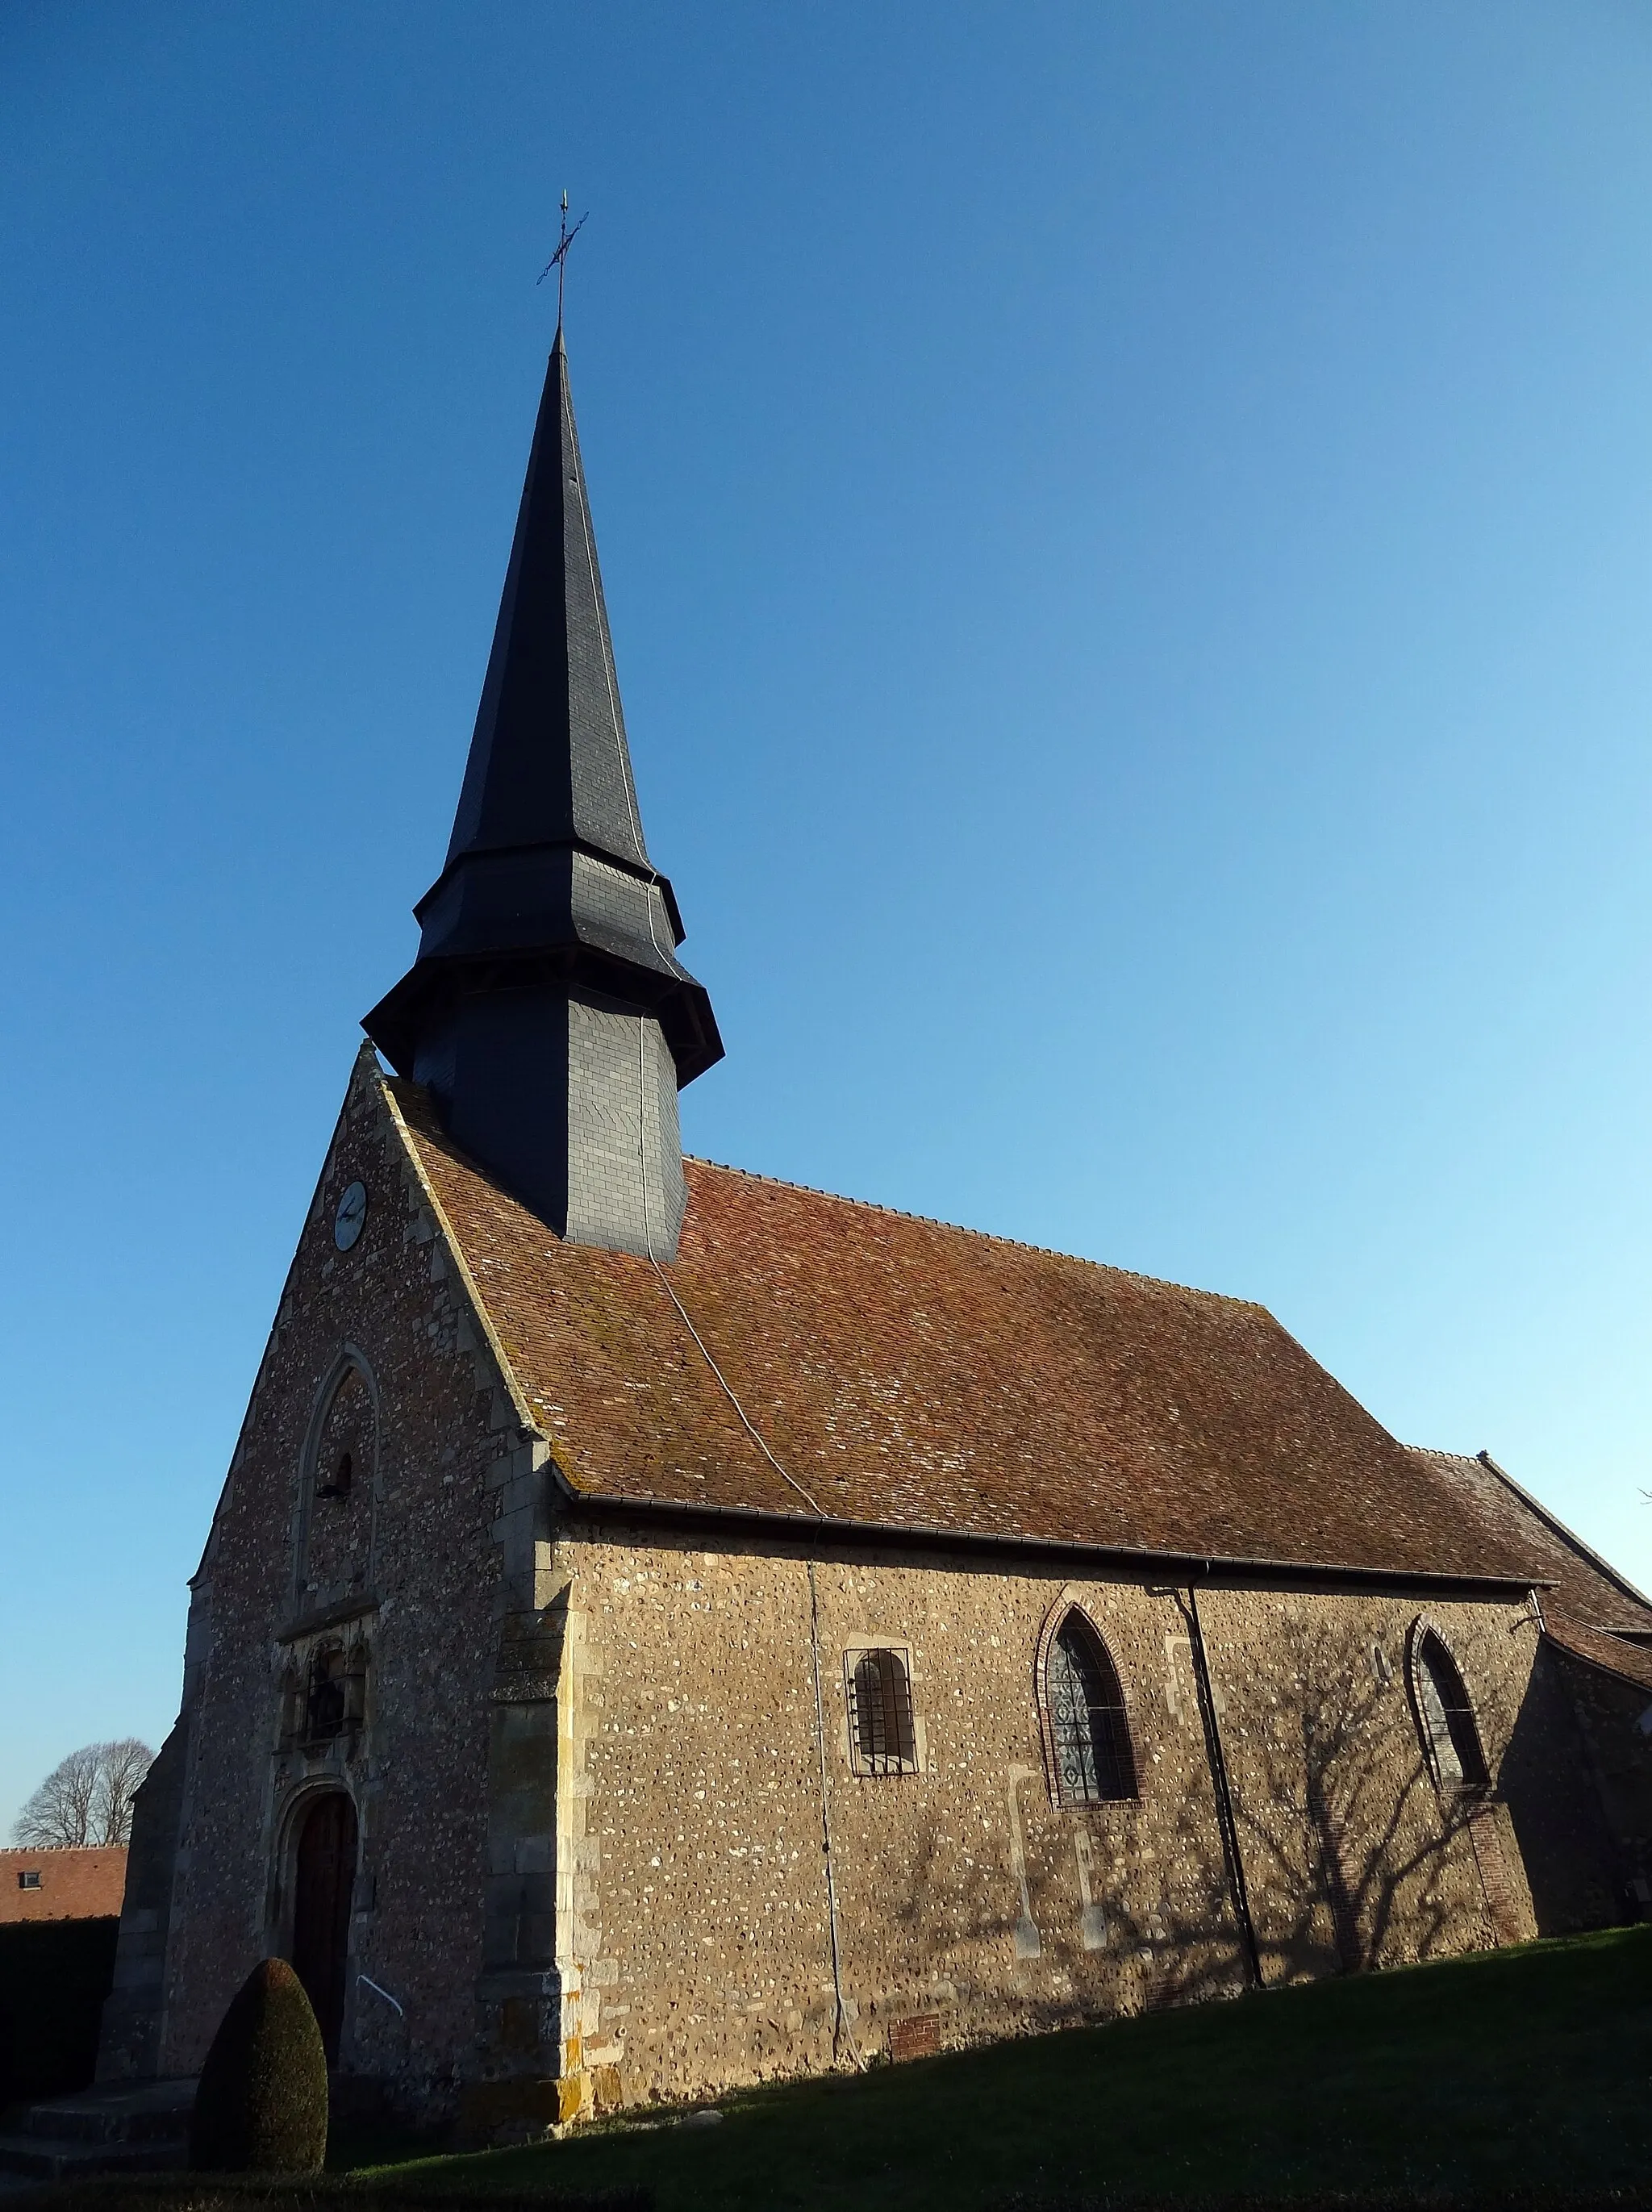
696 1946
1614 1717
404 1580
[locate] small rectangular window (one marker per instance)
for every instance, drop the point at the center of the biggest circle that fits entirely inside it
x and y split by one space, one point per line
882 1737
28 1877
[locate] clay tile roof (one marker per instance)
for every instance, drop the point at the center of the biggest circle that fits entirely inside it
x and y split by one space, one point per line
1509 1518
65 1884
915 1376
1627 1660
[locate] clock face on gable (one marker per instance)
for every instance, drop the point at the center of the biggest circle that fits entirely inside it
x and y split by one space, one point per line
347 1222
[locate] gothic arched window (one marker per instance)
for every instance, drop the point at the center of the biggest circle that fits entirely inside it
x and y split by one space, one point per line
880 1732
1089 1732
336 1552
1450 1737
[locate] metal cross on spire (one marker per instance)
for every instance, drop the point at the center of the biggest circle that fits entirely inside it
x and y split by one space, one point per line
558 260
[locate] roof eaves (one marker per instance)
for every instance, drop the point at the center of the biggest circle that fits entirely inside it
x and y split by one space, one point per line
1562 1641
930 1535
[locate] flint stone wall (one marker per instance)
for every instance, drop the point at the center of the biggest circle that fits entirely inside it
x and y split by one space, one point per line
692 1878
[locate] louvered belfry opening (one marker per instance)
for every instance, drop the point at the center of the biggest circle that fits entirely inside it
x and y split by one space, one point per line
1090 1730
1454 1736
880 1699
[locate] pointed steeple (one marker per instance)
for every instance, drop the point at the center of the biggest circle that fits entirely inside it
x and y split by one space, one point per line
549 761
548 913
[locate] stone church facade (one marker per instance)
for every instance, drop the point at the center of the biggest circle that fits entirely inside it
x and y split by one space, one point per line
664 1628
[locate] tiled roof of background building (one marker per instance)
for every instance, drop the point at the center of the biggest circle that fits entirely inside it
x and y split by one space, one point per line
62 1885
1582 1584
915 1376
1628 1662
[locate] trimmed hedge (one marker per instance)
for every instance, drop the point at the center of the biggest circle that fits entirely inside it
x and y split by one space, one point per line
54 1977
261 2103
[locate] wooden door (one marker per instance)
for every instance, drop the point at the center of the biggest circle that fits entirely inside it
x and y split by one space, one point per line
321 1910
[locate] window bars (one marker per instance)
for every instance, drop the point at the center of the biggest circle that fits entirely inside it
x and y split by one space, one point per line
1089 1732
881 1731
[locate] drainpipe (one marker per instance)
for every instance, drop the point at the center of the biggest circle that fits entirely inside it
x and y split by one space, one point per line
841 2030
1224 1815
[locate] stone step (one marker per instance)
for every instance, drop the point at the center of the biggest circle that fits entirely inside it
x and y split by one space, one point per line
91 2124
155 2111
101 2130
63 2158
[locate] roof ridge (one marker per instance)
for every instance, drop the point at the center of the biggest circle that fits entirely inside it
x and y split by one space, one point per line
986 1235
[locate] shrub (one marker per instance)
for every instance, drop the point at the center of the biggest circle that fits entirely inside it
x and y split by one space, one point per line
261 2104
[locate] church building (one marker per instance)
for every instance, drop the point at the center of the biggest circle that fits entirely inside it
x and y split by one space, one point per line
664 1628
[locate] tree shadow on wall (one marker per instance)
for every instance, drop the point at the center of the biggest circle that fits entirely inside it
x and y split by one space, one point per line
1350 1857
1346 1842
1185 1947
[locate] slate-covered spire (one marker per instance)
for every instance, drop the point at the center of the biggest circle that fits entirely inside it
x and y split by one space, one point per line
549 761
549 924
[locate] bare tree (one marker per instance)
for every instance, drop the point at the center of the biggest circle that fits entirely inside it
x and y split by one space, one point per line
126 1763
87 1799
59 1816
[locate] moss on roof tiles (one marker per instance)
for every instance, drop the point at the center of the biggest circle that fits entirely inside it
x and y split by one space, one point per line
914 1375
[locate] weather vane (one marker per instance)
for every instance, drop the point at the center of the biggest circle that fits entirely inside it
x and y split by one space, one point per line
558 260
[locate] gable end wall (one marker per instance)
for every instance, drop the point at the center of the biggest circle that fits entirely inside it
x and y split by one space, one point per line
455 1489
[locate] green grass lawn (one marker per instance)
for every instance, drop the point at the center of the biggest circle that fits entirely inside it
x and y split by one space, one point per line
1507 2070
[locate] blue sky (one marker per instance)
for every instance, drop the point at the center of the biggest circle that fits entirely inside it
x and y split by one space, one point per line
1128 538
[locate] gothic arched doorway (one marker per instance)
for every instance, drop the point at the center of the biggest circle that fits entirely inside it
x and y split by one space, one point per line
324 1877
